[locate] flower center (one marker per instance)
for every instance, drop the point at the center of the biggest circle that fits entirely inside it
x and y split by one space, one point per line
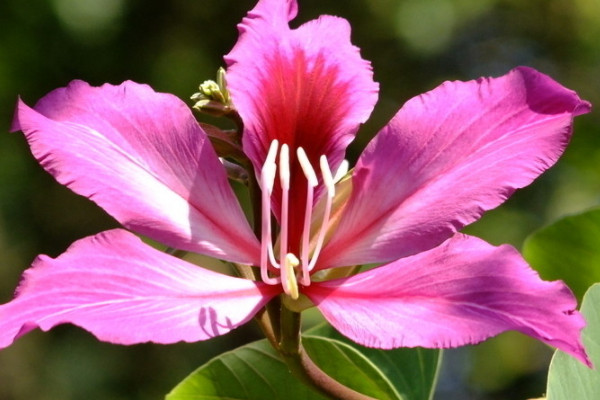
292 269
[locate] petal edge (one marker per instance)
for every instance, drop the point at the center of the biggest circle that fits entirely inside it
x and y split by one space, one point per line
125 292
142 157
448 156
459 293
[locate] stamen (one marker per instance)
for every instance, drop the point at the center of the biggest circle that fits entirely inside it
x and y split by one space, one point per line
284 177
341 171
330 186
308 170
290 284
270 160
269 166
284 167
267 180
287 263
328 180
311 178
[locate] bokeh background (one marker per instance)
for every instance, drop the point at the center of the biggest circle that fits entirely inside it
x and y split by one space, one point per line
414 45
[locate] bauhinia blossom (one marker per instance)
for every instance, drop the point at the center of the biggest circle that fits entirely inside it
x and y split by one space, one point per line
446 157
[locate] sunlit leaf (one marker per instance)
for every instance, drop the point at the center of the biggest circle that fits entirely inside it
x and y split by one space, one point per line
568 379
255 372
568 250
413 372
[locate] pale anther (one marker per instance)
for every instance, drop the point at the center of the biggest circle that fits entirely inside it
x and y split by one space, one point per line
341 171
284 167
269 168
328 180
308 170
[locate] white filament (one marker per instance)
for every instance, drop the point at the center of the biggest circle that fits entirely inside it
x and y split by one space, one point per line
267 181
330 185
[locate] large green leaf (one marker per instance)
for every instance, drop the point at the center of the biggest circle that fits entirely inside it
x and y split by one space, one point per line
256 371
569 250
349 366
568 379
413 372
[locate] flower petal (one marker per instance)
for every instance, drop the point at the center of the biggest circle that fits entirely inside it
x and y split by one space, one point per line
124 291
142 157
306 87
459 293
448 156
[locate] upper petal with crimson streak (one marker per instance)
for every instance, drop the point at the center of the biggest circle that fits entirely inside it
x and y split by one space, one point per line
459 293
142 157
306 87
448 156
125 292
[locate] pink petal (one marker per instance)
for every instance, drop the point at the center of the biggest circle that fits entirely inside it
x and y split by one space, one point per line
142 157
459 293
124 291
307 87
448 156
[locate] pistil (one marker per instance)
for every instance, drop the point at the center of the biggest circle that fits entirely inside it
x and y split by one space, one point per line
284 180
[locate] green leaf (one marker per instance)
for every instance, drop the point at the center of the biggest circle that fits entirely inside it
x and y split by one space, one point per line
568 250
350 367
413 372
255 372
569 379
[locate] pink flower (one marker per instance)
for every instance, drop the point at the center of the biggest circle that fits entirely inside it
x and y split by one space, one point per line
443 160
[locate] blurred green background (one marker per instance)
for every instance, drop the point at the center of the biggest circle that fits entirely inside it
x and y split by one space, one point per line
413 44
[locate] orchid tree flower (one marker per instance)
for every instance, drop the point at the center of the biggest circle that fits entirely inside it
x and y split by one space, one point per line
299 96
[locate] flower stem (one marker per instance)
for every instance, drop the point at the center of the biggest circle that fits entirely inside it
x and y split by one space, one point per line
300 364
268 324
265 317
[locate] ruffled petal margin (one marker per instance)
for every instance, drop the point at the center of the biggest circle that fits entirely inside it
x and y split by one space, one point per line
124 291
142 157
448 156
459 293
